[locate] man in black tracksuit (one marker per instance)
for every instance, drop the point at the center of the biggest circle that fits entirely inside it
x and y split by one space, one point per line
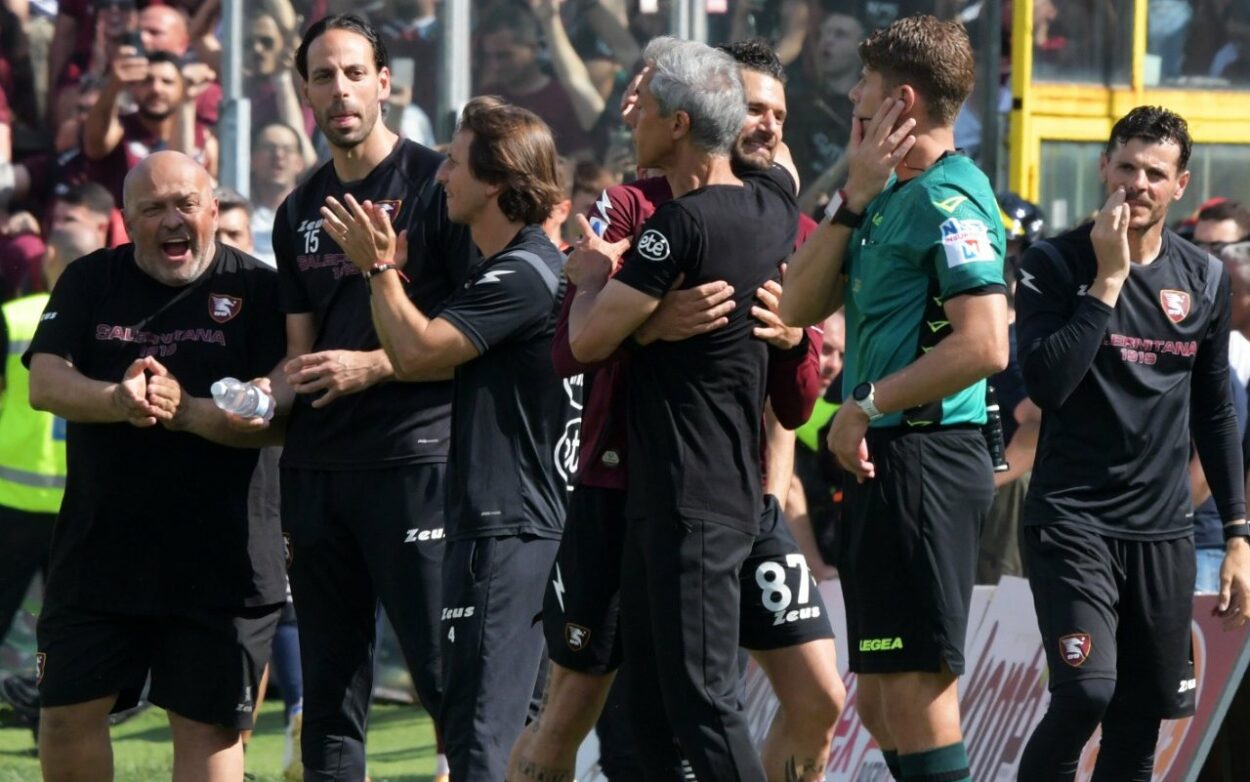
1123 330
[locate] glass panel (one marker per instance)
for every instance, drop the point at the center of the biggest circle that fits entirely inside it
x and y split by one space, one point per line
1085 41
1070 191
1201 45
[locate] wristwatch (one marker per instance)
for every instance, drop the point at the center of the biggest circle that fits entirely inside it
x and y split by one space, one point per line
840 214
864 396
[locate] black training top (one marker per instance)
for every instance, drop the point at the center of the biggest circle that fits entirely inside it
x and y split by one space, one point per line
391 423
1120 390
155 520
695 405
511 410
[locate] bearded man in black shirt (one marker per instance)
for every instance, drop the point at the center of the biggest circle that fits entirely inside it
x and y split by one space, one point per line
155 567
1123 334
505 493
362 473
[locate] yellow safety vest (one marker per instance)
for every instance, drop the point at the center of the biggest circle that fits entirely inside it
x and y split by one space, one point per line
32 444
809 433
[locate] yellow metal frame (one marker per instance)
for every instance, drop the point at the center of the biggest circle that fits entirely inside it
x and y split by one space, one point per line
1086 112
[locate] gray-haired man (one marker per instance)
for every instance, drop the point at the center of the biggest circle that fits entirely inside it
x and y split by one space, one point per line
694 488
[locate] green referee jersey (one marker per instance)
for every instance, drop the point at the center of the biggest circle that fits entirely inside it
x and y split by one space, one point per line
922 242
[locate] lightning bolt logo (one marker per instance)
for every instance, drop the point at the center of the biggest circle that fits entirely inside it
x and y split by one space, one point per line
599 220
557 584
605 204
1026 279
494 275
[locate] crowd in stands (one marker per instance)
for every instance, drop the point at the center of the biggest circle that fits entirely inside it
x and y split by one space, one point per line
90 87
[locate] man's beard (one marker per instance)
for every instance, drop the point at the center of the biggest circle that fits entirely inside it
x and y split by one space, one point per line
760 160
154 116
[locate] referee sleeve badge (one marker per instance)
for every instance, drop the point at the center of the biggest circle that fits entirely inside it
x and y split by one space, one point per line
966 241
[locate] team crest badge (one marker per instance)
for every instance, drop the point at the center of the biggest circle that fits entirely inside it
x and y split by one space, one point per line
1175 304
222 308
576 636
41 664
1075 648
390 206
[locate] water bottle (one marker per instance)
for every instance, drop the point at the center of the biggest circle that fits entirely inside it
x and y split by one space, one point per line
242 399
993 431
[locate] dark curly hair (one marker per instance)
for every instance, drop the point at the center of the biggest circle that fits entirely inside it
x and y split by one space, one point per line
1156 125
512 147
756 54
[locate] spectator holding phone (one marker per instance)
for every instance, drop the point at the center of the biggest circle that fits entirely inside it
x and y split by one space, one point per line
165 93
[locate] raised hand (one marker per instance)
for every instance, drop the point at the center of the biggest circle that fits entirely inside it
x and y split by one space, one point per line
593 258
1110 238
363 231
875 150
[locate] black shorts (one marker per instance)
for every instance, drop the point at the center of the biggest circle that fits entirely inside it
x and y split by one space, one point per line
582 601
205 663
907 550
780 607
1116 609
781 604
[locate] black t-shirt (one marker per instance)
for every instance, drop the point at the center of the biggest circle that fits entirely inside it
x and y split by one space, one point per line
1120 390
389 424
1208 528
513 415
155 520
695 405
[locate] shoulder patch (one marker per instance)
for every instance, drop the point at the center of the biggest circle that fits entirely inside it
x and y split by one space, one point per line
966 241
653 245
949 205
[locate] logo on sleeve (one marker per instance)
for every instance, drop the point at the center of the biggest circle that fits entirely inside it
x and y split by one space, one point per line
653 245
949 205
222 308
494 276
390 206
966 241
1075 648
599 221
1175 304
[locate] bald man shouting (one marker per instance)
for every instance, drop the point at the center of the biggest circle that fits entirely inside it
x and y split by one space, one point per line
155 567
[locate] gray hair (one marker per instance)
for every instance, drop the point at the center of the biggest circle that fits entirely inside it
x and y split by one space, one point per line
703 82
1237 258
